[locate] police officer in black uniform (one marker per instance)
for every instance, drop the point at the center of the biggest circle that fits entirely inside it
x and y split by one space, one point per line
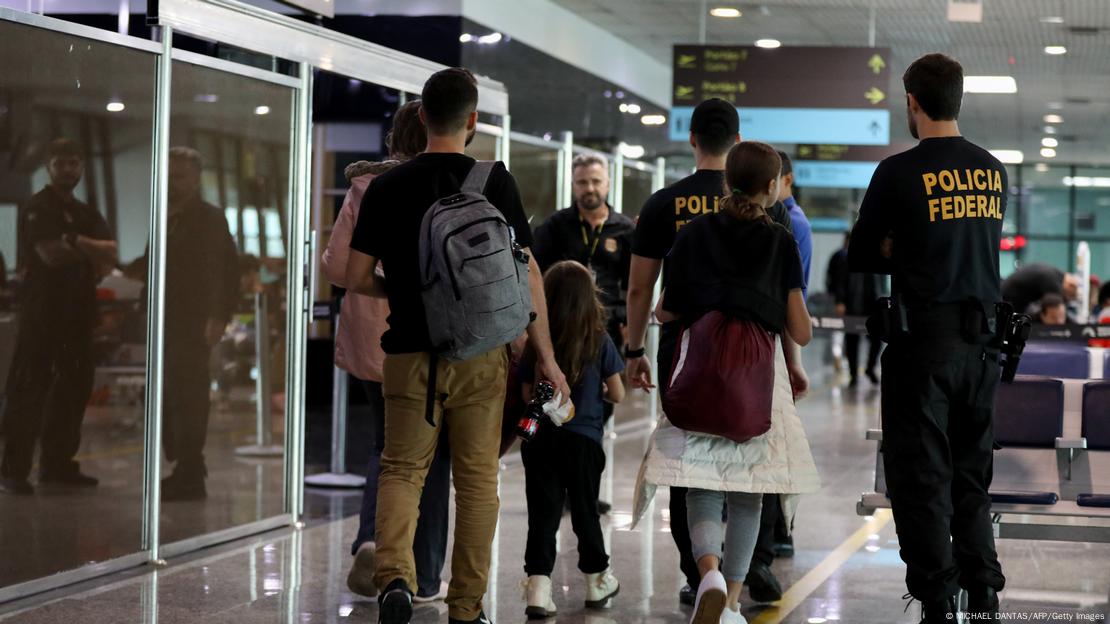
932 219
65 247
592 233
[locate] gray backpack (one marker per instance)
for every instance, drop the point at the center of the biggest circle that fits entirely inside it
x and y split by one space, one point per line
474 275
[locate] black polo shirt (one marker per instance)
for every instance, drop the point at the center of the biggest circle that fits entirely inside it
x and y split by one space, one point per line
66 291
607 251
942 203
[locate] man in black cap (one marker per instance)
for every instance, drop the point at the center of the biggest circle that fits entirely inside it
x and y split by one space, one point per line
714 129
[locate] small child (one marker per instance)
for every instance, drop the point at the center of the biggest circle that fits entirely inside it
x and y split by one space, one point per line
564 463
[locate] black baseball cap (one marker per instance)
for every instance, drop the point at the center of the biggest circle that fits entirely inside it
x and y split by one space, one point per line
715 117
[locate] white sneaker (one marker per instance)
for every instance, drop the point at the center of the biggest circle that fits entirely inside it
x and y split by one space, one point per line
600 589
360 579
537 595
728 616
440 595
712 596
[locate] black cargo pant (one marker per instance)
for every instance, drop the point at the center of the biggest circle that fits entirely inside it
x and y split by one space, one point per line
186 401
680 528
613 328
49 384
938 443
561 467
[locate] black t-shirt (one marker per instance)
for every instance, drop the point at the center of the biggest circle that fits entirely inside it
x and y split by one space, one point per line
68 290
608 252
671 208
388 228
1031 282
742 268
942 203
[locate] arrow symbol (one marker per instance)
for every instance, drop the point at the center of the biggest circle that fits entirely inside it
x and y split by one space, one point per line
683 92
876 63
874 95
687 60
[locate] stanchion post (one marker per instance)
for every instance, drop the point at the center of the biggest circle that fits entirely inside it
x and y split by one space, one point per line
338 477
264 434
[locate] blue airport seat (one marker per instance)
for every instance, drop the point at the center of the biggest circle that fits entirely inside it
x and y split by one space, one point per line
1029 412
1093 500
1096 415
1025 498
1055 359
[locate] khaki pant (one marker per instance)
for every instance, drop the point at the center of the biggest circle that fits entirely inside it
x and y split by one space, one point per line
470 400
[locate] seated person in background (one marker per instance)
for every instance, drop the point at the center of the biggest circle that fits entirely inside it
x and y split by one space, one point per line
1027 285
1052 310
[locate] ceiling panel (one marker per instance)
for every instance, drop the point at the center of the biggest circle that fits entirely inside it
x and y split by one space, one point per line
1010 41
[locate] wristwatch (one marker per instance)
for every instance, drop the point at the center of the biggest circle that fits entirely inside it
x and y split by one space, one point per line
631 354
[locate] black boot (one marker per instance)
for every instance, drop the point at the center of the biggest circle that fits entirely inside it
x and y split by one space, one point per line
941 611
982 602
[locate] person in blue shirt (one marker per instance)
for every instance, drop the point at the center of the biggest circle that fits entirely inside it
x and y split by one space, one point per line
803 233
563 464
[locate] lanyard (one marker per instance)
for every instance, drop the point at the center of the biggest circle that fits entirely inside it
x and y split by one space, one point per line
586 237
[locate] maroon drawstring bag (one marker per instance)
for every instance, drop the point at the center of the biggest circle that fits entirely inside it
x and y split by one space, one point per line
723 379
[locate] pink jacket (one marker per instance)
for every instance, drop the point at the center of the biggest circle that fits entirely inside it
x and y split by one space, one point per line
362 319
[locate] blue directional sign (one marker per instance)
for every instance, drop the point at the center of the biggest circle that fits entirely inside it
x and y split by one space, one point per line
844 126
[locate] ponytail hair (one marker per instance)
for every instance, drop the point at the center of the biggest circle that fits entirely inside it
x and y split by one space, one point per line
750 168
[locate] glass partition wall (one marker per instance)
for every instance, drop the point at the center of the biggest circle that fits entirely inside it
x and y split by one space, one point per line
146 213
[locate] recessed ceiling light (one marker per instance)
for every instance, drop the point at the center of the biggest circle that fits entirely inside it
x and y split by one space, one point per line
725 12
490 38
632 151
1055 19
466 38
1056 106
634 109
1009 156
262 110
653 120
1050 129
1049 142
1041 168
1048 152
115 107
208 98
1053 118
990 84
769 44
1055 50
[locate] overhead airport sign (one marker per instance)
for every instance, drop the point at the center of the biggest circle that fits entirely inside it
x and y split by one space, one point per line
779 90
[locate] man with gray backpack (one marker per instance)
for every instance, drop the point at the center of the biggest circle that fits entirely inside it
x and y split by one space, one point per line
452 236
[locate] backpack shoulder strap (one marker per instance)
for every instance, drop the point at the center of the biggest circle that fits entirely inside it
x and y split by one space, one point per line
479 174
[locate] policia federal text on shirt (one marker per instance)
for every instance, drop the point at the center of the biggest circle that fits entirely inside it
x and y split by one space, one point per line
932 219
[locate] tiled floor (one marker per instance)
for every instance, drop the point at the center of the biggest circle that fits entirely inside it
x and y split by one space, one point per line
846 568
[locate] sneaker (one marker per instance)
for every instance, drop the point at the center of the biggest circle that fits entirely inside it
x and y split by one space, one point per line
982 603
537 595
421 598
395 604
74 478
710 603
784 550
603 507
360 579
687 595
728 616
762 584
601 587
12 485
481 619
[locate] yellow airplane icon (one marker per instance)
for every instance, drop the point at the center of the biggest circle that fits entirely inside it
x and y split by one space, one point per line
683 92
687 60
